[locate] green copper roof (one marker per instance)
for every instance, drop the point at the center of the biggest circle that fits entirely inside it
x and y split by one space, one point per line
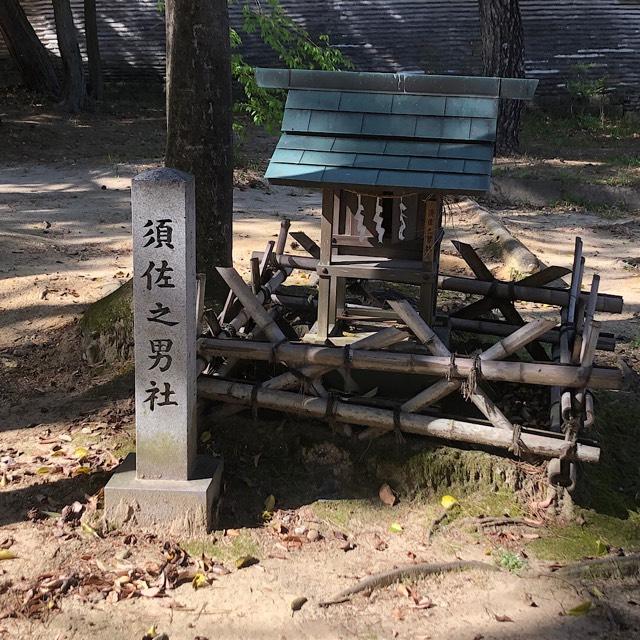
386 130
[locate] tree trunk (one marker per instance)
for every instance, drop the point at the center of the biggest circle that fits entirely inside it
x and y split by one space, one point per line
30 55
503 56
74 90
93 50
199 121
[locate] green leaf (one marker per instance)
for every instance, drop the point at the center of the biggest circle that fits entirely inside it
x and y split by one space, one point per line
246 561
581 609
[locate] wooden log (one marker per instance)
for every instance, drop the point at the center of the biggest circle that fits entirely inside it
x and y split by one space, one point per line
383 419
497 289
546 374
514 253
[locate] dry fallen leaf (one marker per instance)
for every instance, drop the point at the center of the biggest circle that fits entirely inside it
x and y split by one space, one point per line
298 603
403 590
5 554
424 603
500 618
386 495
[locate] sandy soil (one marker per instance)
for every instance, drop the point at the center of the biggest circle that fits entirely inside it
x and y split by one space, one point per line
64 243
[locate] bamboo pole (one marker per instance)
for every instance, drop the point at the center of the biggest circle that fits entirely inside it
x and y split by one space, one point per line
420 328
501 349
384 419
264 295
546 374
495 289
265 261
498 328
380 340
282 237
255 276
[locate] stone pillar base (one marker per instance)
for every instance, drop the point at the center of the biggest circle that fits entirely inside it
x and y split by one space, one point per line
185 508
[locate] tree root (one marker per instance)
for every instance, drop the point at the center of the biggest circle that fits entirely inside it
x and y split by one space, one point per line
411 571
614 567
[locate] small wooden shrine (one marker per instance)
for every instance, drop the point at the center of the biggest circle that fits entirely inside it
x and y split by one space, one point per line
386 150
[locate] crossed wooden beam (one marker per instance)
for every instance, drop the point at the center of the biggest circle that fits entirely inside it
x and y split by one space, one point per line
387 337
506 307
502 349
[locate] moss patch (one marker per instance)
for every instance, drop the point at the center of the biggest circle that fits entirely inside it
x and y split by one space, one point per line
436 470
593 538
351 514
104 313
226 549
107 327
612 486
607 492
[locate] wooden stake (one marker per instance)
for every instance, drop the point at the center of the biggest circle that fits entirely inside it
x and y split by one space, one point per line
265 261
255 276
282 236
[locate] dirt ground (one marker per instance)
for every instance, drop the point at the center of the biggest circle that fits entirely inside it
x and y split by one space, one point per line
65 242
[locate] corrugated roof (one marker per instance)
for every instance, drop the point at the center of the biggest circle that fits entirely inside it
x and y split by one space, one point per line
379 134
436 36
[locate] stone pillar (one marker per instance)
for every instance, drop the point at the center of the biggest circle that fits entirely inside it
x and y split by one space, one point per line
166 483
